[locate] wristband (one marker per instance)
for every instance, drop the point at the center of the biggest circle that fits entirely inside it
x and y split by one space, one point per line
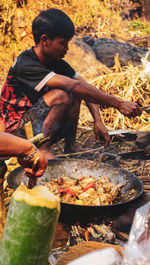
27 158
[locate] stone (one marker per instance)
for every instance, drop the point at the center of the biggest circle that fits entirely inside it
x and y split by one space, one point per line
106 49
82 58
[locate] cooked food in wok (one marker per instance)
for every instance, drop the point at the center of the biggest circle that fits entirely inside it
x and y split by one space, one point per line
84 190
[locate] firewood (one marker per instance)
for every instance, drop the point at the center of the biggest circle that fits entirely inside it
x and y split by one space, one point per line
147 187
120 234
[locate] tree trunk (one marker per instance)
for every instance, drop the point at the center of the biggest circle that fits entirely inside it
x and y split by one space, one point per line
146 9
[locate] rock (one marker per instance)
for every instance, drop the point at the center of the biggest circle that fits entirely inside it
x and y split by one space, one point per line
89 40
82 58
106 49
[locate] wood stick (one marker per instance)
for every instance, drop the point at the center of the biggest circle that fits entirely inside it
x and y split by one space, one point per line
146 182
37 138
146 108
147 187
120 234
82 152
28 130
147 191
144 177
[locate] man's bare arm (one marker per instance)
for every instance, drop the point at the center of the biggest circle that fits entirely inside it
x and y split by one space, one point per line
99 128
11 145
89 93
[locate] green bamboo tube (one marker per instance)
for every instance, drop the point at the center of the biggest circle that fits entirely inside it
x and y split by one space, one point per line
30 227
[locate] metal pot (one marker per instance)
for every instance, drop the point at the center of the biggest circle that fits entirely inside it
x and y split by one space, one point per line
79 167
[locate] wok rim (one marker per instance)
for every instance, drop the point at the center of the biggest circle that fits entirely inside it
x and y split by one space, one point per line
88 206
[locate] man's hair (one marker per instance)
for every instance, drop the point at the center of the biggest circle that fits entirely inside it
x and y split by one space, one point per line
54 23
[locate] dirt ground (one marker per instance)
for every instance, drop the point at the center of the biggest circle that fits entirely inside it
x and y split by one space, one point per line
137 164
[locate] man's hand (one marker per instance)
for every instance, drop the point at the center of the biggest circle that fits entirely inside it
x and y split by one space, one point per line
101 131
99 128
129 109
39 169
25 151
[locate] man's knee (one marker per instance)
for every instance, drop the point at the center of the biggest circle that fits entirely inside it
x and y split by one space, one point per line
57 97
63 98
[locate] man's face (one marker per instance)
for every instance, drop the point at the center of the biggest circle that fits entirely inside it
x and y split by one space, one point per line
57 48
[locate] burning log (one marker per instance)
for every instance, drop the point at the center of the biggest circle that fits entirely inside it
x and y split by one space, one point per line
75 236
99 233
121 235
107 235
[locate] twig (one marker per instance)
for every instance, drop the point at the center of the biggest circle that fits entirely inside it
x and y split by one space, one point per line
85 128
144 178
82 152
146 187
120 234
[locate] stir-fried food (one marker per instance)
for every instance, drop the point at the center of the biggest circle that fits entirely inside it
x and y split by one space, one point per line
84 190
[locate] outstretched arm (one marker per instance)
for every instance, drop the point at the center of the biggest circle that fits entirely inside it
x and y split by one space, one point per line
91 94
26 152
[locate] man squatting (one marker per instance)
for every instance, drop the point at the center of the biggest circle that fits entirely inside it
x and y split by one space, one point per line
45 89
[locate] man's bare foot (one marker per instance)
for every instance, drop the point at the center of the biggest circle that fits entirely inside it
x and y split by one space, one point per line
44 150
74 148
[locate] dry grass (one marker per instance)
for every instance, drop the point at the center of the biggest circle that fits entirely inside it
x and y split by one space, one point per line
129 85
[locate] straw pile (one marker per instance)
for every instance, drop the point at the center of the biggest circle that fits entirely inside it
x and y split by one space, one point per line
129 84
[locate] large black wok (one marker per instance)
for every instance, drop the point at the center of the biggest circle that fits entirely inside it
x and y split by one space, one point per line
78 167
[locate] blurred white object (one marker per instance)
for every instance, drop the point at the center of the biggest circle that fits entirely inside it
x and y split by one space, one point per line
137 250
146 69
106 256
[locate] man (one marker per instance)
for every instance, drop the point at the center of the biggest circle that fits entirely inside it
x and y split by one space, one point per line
45 89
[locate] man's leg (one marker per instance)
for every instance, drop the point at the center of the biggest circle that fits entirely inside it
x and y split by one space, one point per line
59 103
62 120
70 133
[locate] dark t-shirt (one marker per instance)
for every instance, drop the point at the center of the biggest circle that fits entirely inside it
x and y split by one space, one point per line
25 84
